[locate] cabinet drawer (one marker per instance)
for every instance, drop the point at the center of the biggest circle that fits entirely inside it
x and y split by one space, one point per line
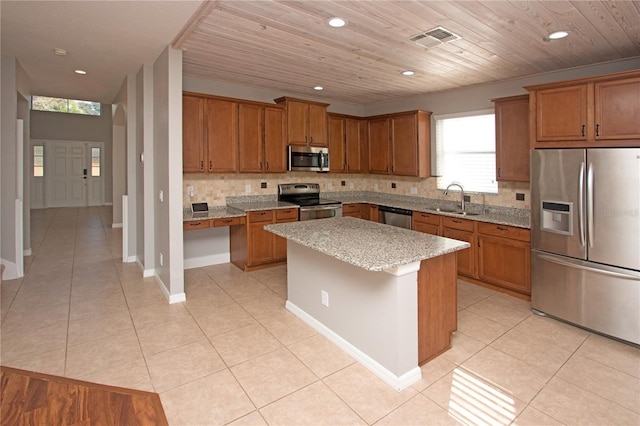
229 221
260 216
455 223
432 219
504 231
196 224
350 208
286 214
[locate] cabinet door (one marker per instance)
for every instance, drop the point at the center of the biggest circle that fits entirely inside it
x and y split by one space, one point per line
404 145
193 147
466 257
505 262
283 216
317 126
275 151
250 147
617 109
561 114
260 242
222 136
337 160
512 139
355 145
379 146
297 122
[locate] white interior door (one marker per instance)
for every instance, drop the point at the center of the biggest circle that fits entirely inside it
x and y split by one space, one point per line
65 166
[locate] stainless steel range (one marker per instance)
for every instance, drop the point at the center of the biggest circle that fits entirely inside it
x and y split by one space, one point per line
307 196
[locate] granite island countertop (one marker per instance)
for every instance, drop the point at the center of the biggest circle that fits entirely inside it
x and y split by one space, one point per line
369 245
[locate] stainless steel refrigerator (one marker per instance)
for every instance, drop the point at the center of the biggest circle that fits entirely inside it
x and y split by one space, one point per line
585 238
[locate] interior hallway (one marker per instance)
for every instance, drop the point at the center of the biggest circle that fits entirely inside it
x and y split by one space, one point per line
232 354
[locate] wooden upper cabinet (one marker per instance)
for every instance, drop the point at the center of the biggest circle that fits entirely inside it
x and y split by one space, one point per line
306 121
222 135
275 132
617 109
347 144
250 145
599 111
338 155
379 154
512 138
399 144
193 146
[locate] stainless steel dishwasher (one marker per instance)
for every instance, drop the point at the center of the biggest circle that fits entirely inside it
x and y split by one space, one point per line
395 216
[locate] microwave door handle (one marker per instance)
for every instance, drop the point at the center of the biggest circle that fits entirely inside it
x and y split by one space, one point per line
320 161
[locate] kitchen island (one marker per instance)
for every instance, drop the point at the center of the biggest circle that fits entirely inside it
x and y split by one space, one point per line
385 295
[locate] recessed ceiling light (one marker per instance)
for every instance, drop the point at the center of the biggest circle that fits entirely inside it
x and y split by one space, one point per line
408 73
318 88
337 22
556 35
81 72
60 52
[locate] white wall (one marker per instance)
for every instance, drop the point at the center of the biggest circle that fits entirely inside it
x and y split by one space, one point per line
167 164
14 89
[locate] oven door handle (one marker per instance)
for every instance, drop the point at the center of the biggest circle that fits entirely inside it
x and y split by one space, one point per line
327 207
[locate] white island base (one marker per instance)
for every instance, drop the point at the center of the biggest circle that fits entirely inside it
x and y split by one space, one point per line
373 316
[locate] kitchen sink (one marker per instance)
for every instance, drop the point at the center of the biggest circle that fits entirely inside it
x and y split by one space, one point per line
456 211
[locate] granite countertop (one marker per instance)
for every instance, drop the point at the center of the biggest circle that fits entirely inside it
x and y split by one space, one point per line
215 212
369 245
499 215
261 205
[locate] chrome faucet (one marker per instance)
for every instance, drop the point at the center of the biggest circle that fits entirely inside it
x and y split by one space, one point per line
446 191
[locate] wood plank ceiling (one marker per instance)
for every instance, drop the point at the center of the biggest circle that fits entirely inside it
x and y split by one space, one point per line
287 46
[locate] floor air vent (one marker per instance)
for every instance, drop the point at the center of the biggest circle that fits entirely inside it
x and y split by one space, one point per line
434 37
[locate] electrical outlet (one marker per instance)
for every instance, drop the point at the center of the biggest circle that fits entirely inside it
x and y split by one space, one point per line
247 188
351 185
414 190
263 185
161 260
519 196
467 198
325 298
375 186
190 191
329 185
343 183
393 185
161 196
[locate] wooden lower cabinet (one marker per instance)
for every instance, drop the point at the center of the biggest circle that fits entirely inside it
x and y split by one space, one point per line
462 230
283 216
504 256
352 210
426 222
253 247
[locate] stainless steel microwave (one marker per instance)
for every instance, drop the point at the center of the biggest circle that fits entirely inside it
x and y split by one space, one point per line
307 159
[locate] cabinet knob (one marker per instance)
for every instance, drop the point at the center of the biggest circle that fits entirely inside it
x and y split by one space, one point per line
502 228
202 165
597 130
266 165
210 165
583 129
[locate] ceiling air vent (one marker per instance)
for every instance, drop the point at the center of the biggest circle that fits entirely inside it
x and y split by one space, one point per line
434 37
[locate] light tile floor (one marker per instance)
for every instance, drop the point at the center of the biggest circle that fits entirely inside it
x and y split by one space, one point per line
232 354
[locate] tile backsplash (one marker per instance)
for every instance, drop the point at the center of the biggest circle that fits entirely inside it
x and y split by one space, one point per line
214 188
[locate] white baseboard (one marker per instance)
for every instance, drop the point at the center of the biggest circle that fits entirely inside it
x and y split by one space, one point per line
107 204
172 298
130 259
10 271
214 259
28 252
397 382
116 225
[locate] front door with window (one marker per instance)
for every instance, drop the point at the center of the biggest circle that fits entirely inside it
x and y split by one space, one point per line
72 173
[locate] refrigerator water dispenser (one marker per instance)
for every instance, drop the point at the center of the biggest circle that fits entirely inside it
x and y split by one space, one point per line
556 216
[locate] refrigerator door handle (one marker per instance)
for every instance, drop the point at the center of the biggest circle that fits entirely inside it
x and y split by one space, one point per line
581 204
586 268
590 235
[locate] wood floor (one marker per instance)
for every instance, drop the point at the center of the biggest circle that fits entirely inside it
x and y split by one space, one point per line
29 398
